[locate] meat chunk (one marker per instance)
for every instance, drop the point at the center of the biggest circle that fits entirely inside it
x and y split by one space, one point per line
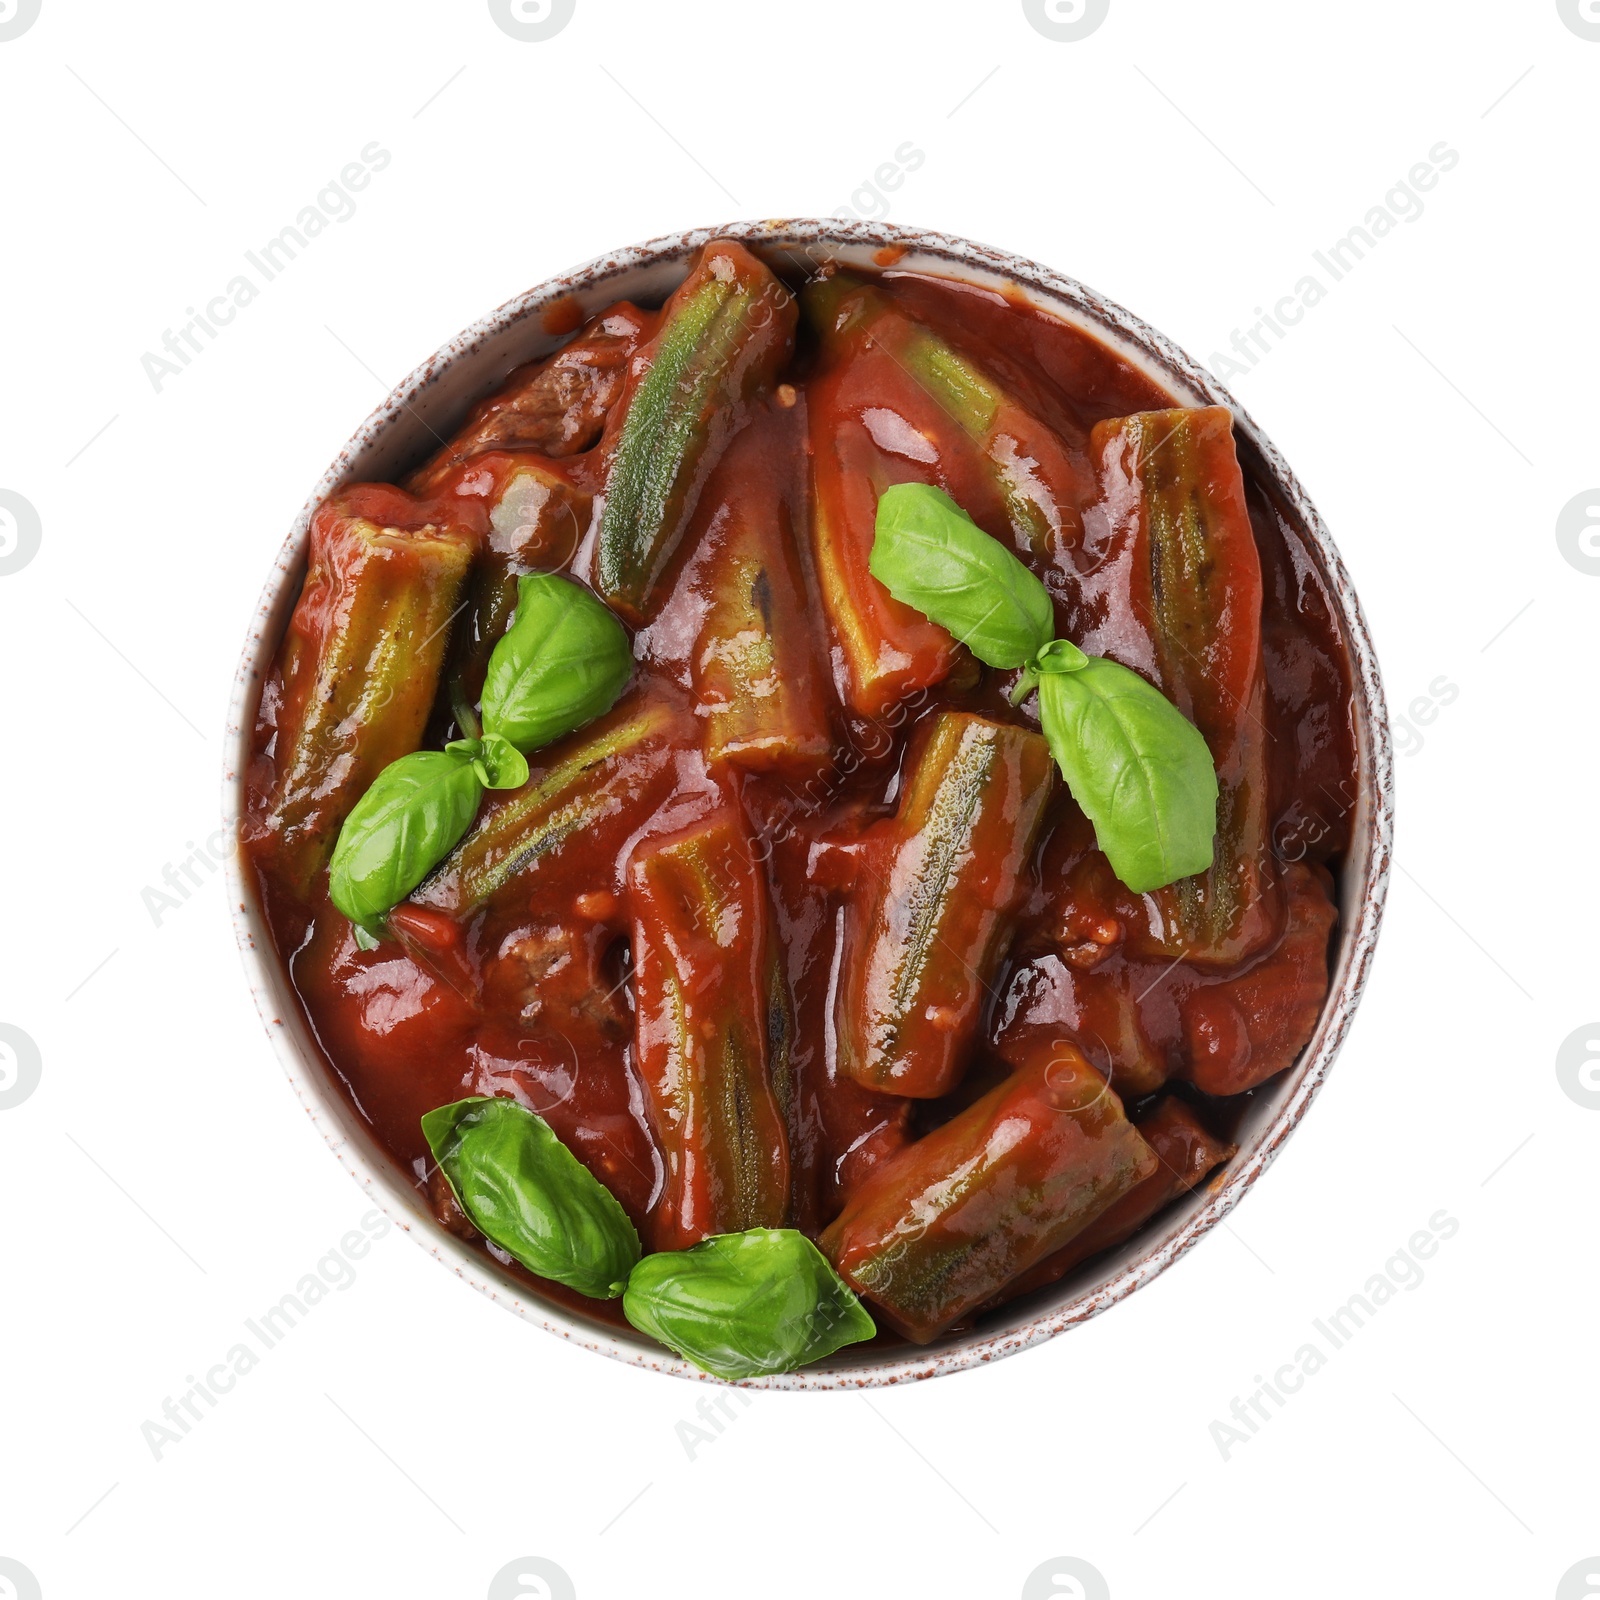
556 406
1241 1032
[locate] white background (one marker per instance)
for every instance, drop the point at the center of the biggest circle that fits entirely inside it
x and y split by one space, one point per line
162 1183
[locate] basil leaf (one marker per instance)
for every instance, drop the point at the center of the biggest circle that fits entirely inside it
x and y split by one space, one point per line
522 1188
1060 655
929 554
740 1305
561 663
497 762
399 830
1138 767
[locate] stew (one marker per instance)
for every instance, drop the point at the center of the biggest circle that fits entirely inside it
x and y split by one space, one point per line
834 788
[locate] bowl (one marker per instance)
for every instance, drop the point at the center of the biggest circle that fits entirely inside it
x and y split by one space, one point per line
434 400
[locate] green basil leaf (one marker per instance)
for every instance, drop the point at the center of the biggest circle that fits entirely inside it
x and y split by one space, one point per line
497 762
399 830
1060 655
740 1305
929 554
1138 767
562 663
522 1188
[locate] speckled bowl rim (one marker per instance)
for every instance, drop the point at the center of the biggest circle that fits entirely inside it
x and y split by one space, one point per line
438 392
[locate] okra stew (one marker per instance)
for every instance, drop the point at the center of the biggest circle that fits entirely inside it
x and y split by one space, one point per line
810 816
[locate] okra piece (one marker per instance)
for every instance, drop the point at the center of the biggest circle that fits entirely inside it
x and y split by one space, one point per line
537 516
888 649
781 1031
927 927
1024 460
726 332
1186 1154
949 423
1171 485
944 1226
757 668
361 660
703 947
556 406
595 775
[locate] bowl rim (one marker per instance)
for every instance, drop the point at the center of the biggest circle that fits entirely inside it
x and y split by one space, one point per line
1111 1277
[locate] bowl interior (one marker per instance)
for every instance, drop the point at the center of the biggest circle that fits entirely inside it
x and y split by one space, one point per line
430 404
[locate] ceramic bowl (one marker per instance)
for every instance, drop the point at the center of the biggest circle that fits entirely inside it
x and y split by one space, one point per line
432 403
